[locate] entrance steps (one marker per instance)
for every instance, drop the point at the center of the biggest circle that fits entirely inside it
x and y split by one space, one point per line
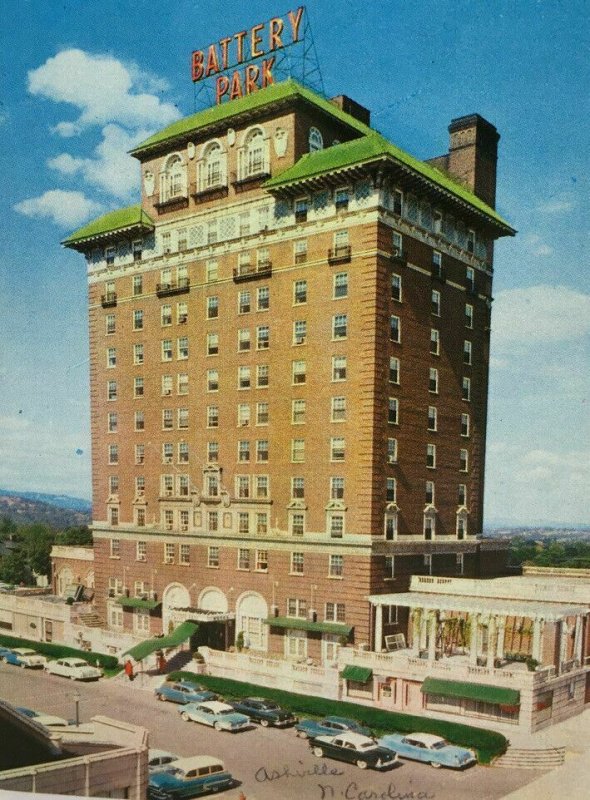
91 620
539 758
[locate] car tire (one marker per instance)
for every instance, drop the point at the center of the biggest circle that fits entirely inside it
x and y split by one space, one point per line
4 659
160 697
435 765
185 716
22 665
72 677
265 723
318 752
217 726
302 734
361 764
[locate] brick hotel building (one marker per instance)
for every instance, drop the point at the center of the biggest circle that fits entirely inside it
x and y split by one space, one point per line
289 341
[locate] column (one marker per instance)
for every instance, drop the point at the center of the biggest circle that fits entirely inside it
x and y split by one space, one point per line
537 647
474 619
578 641
432 631
491 642
416 631
423 629
378 628
500 638
562 644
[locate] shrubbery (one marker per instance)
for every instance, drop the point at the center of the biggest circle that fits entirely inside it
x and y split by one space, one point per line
61 651
489 744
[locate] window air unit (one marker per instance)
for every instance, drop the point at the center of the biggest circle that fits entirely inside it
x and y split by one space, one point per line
111 592
274 611
313 615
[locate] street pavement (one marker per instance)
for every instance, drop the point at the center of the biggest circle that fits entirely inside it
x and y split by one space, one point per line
270 764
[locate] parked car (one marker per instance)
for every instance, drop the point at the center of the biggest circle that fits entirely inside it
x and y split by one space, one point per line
354 748
220 716
329 726
160 759
47 720
184 692
429 748
23 657
74 668
266 712
189 777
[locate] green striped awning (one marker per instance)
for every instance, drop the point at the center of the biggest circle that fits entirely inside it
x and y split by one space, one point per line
179 635
352 672
137 602
299 624
498 695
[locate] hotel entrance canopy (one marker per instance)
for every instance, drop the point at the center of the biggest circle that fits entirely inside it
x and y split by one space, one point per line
177 637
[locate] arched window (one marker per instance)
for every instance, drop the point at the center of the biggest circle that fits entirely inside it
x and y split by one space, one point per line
253 156
212 168
316 140
173 179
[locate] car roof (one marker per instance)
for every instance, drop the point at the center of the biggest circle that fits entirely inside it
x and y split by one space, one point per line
49 719
185 682
23 650
153 753
354 738
426 738
76 661
216 706
195 762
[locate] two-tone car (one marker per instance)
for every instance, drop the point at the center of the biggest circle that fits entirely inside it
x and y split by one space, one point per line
47 720
184 692
355 749
74 668
264 711
160 759
23 657
329 726
189 777
430 749
220 716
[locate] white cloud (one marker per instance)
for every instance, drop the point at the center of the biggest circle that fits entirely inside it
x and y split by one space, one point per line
557 205
112 170
536 246
539 314
65 208
103 89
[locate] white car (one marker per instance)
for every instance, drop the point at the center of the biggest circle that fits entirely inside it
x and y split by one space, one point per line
47 720
74 668
160 759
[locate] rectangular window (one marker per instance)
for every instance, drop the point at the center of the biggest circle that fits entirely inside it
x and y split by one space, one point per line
337 448
114 515
297 563
212 380
183 452
339 368
138 387
339 326
167 350
429 493
394 364
111 357
213 553
336 525
261 522
138 320
212 307
212 484
110 256
166 385
244 523
112 390
137 285
433 380
463 460
393 411
301 209
298 412
244 303
300 252
213 523
182 418
435 303
261 486
212 234
390 490
340 285
437 267
396 287
338 409
397 202
262 337
185 552
167 452
261 561
244 378
243 450
139 421
243 558
470 279
336 566
432 418
297 450
139 453
181 313
341 199
335 612
262 258
169 549
434 342
110 322
167 485
243 487
213 452
394 328
462 494
141 551
115 548
297 523
211 271
296 607
468 315
298 488
183 519
431 456
397 244
182 383
336 488
391 451
467 351
466 389
298 372
389 567
212 344
166 315
299 331
263 298
138 354
465 424
182 347
212 416
261 450
262 376
262 415
243 415
113 484
167 419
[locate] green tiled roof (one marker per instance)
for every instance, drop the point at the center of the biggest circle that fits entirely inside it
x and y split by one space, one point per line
300 624
472 691
179 635
137 602
374 147
122 219
264 97
352 672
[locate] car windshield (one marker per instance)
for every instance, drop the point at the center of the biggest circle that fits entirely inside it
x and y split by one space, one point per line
270 706
77 664
366 746
439 745
173 771
226 711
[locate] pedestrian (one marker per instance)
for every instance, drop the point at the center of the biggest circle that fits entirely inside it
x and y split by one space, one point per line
162 663
129 670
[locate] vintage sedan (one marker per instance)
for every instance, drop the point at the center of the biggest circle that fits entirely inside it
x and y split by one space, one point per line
354 748
160 759
184 692
23 657
266 712
47 720
429 748
220 716
329 726
74 668
189 777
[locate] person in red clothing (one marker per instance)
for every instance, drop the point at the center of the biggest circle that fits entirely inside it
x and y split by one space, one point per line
129 670
162 663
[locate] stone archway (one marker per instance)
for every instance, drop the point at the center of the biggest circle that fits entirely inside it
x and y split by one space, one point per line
175 596
213 599
251 613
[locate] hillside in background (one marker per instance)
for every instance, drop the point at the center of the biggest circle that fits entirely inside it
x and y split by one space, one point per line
24 509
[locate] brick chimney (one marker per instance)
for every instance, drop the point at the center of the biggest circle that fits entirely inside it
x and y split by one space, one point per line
473 154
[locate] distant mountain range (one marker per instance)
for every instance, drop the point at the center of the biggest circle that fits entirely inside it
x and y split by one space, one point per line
59 511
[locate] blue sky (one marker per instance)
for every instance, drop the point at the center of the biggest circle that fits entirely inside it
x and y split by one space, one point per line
84 80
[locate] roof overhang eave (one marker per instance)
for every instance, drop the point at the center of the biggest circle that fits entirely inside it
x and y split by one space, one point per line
82 244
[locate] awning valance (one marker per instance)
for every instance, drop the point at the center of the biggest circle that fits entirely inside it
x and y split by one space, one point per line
300 624
352 672
498 695
179 635
137 602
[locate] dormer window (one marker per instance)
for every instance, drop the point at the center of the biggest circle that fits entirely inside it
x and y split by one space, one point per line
173 179
316 140
253 156
212 169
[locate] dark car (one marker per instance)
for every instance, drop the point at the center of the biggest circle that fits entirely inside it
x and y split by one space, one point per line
266 712
354 748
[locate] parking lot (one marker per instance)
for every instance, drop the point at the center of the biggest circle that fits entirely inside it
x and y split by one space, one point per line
270 764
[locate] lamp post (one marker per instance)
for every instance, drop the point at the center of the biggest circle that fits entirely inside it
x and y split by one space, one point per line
77 704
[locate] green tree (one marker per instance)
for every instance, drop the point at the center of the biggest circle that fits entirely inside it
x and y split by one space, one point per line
81 536
15 569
